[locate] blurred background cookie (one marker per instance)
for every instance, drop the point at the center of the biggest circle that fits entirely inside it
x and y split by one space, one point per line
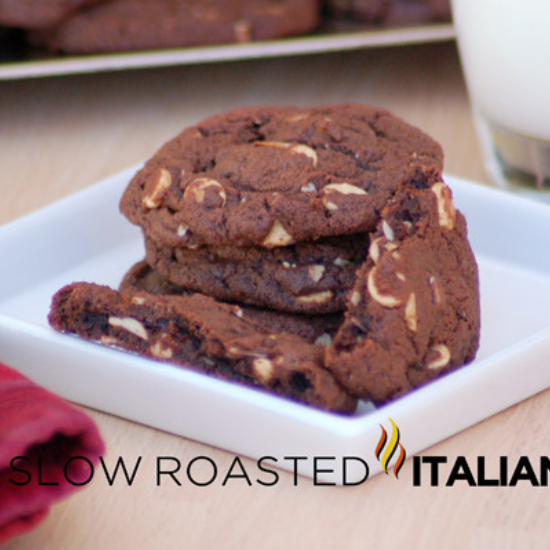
32 14
123 25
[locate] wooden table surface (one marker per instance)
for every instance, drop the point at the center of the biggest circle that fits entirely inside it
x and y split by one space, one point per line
63 134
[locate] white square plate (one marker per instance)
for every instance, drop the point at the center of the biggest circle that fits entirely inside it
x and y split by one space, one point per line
85 238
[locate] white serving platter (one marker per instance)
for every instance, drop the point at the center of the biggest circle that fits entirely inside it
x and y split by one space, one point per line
84 238
309 44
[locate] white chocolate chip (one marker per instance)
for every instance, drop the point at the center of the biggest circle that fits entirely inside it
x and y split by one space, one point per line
138 300
445 208
442 357
387 230
278 236
340 262
297 117
437 292
301 149
410 313
344 189
316 272
377 245
400 276
182 230
324 340
238 312
109 341
263 368
309 188
274 144
355 298
316 298
242 31
197 188
161 350
374 250
330 205
131 325
233 352
163 180
386 300
298 148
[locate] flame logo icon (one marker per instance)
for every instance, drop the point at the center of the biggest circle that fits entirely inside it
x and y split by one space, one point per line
389 448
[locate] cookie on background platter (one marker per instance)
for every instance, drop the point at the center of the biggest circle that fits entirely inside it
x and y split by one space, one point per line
128 25
35 14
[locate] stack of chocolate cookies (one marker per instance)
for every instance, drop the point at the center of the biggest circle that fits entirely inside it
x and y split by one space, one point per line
315 253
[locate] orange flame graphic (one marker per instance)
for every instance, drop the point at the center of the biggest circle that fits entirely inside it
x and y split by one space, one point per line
390 449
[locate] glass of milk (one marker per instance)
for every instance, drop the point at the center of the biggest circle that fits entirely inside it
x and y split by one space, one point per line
505 53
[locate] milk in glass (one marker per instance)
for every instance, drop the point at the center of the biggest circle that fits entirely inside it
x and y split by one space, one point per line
505 53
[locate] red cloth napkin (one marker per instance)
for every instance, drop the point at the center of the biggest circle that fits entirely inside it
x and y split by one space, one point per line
49 435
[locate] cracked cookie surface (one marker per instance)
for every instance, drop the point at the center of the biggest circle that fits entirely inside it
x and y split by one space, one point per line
273 177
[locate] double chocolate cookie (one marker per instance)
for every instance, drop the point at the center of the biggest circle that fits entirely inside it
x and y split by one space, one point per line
273 177
198 332
33 14
309 277
123 25
413 313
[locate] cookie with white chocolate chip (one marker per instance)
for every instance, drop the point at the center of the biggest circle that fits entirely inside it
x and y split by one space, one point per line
315 329
413 313
198 332
124 25
272 177
30 14
311 278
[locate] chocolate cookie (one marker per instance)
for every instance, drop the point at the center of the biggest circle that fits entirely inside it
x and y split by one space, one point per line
441 9
198 332
33 14
370 11
119 25
315 329
303 278
273 177
413 313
